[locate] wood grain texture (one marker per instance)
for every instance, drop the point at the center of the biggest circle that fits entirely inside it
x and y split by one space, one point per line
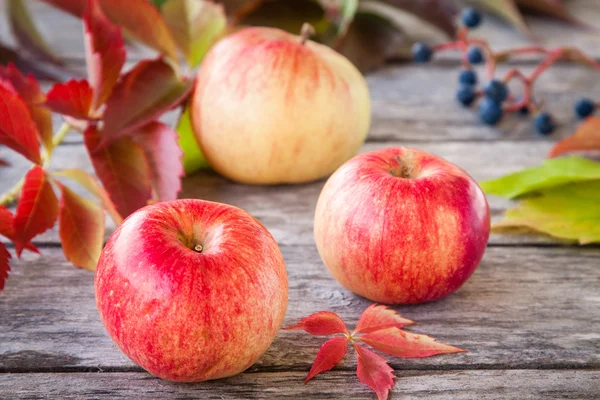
523 308
459 385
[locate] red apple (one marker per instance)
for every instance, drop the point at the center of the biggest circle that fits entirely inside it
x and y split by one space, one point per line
401 226
192 290
270 107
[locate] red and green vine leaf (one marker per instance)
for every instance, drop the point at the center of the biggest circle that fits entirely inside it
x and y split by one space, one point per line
586 138
72 98
28 88
123 170
81 229
374 371
37 209
193 159
142 95
329 355
405 344
7 228
17 128
377 317
551 8
196 26
321 323
4 267
90 183
73 7
105 52
160 143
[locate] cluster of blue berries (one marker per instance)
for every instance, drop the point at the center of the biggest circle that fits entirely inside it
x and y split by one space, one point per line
495 92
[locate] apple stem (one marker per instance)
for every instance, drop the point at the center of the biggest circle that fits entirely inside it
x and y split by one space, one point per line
306 32
198 248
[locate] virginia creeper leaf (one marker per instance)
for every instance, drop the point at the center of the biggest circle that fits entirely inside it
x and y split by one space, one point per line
90 183
17 128
73 7
329 355
196 25
4 267
377 317
123 170
81 229
72 98
7 228
104 51
288 15
551 8
27 34
508 11
164 156
585 138
437 13
568 212
37 209
193 159
142 95
321 323
551 173
340 14
373 371
28 88
399 343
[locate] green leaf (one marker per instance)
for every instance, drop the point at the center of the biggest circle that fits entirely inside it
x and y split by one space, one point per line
568 212
340 13
196 25
552 173
193 159
158 3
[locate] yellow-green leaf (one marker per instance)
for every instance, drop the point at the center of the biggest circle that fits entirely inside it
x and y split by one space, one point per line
553 172
193 159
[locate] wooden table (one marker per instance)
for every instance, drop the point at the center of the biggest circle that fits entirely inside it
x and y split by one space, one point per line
529 316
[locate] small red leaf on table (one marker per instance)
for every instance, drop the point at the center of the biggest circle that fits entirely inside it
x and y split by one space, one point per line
73 7
123 170
81 229
4 267
377 317
374 371
405 344
7 228
17 129
37 209
585 138
28 88
329 355
142 95
105 52
164 156
321 323
72 98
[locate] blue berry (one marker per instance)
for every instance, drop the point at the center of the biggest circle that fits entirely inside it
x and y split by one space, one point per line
544 123
465 95
470 17
490 111
496 90
474 55
421 52
584 107
467 77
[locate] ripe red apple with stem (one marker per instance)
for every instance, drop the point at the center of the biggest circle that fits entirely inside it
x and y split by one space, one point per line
270 107
401 226
192 290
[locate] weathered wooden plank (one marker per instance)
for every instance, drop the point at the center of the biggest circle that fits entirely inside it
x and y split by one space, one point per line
460 385
523 308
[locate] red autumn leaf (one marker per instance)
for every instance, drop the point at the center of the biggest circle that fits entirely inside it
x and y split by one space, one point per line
4 267
123 170
81 229
72 98
329 355
405 344
73 7
321 323
142 95
17 129
105 52
37 209
377 317
585 138
28 88
374 371
164 156
91 185
7 228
